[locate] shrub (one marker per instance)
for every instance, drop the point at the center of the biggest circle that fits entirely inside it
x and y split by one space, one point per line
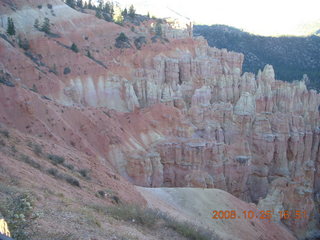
6 81
24 44
189 230
84 173
133 213
46 25
54 69
56 235
55 159
69 179
139 42
89 54
150 218
66 70
110 194
74 47
118 19
115 199
69 166
18 210
122 37
13 149
34 88
101 193
72 180
29 144
53 171
30 161
49 6
122 41
5 133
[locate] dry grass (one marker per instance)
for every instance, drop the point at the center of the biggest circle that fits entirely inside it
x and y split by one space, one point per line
152 219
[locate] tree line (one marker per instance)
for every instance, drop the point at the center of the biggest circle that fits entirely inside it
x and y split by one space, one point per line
104 10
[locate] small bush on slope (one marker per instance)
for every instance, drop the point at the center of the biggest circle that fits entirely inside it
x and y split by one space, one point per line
150 218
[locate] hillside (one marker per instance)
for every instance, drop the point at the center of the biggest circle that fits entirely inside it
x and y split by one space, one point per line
291 56
138 130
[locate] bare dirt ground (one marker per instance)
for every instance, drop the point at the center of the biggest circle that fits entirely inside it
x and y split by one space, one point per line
196 205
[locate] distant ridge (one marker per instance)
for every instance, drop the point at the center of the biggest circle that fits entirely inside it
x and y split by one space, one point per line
291 56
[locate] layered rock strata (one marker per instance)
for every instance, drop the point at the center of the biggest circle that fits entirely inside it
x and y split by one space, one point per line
172 114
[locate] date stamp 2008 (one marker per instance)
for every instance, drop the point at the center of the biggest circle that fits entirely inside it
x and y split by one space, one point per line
267 215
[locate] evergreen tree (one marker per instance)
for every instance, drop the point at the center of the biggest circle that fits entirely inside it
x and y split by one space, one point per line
122 37
89 54
100 4
107 7
80 3
85 5
11 29
111 12
90 6
148 15
46 25
74 47
124 12
36 24
24 44
132 11
71 3
108 11
98 13
158 29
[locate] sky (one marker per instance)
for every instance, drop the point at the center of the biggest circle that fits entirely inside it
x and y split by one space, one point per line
272 17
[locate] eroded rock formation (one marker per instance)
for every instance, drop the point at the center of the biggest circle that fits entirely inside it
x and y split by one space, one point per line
175 114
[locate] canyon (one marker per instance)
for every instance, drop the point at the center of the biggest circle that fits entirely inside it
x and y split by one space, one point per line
175 113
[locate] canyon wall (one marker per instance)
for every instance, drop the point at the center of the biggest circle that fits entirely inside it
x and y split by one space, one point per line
173 114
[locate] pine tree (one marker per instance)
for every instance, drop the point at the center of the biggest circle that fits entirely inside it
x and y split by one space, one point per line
98 13
100 4
85 5
11 29
122 37
24 44
108 12
89 54
46 25
148 15
74 47
132 11
80 3
90 5
158 29
71 3
36 24
124 12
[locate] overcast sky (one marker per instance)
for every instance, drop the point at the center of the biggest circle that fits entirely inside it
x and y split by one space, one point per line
272 17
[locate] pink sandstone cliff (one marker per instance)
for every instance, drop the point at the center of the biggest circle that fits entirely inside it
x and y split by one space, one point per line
172 114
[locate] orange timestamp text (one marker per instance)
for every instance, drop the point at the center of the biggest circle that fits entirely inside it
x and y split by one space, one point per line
268 214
